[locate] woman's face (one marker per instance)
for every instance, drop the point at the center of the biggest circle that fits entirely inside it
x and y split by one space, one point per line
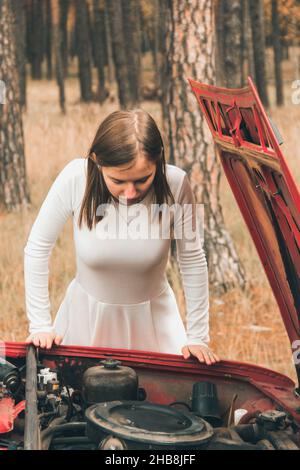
130 182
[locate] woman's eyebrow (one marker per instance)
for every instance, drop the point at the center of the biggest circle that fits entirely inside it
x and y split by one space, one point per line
123 181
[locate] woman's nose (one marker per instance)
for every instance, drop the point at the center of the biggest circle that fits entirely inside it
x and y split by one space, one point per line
130 191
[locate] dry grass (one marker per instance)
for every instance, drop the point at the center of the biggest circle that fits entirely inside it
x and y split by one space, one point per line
244 326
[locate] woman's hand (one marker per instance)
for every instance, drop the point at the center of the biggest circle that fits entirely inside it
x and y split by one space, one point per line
44 340
203 353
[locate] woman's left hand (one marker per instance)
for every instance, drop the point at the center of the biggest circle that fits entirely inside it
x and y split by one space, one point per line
203 353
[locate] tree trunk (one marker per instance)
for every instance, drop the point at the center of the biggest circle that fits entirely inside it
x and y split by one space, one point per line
257 26
100 45
64 9
132 46
13 186
277 53
84 50
159 46
57 51
73 49
248 58
145 41
165 72
156 49
90 28
19 14
110 61
119 51
190 53
219 47
230 43
36 36
48 41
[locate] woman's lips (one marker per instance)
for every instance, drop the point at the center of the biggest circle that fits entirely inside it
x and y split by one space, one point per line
125 200
132 199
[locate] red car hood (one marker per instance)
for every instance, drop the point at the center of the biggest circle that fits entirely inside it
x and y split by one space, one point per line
248 146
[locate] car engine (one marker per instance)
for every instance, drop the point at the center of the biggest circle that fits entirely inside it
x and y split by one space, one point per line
109 411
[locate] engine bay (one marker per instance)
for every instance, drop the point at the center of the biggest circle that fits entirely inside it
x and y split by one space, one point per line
70 403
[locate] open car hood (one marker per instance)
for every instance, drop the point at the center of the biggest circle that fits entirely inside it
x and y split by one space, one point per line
265 191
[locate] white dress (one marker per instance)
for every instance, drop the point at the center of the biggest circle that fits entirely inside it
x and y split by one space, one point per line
120 296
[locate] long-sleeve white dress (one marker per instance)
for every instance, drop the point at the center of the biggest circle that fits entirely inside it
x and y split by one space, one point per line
120 296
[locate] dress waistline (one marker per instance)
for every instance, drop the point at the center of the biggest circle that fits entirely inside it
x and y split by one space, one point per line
165 286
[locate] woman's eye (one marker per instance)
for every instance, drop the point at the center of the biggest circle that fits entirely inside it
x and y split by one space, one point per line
142 181
137 182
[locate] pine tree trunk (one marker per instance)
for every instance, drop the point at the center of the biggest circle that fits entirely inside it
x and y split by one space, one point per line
19 15
100 45
190 53
156 49
159 45
90 27
64 9
259 46
36 44
230 43
84 50
132 46
110 61
13 186
277 53
220 47
48 39
73 49
57 51
243 43
119 51
166 49
248 59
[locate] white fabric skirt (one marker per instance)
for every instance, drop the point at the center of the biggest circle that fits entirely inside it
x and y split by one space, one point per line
152 325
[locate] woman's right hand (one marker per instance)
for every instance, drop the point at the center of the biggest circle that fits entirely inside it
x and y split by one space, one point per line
44 340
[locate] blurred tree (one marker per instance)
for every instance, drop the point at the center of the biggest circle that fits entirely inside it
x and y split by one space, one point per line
64 10
257 26
229 50
110 61
159 48
35 36
13 186
248 58
115 16
131 31
19 15
157 42
147 25
90 28
277 53
190 53
100 47
57 50
84 50
72 26
47 32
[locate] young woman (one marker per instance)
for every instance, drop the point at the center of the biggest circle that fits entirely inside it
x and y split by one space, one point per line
120 297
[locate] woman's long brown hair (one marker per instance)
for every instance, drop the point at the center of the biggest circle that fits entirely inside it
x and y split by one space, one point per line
120 138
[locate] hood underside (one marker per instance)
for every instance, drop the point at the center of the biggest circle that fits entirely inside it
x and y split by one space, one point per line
248 146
